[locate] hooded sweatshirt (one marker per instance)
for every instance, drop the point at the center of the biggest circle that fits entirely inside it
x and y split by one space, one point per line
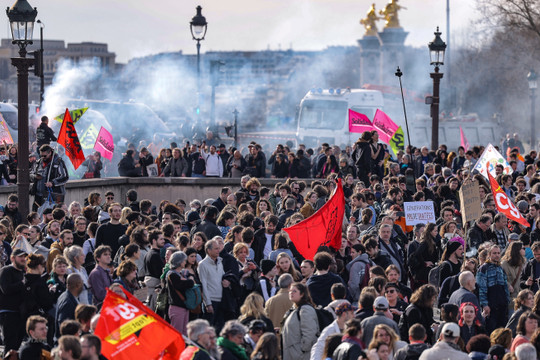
319 287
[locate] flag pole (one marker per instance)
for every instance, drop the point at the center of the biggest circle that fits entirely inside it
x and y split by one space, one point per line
399 74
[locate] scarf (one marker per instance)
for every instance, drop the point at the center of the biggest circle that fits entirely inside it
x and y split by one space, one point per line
237 351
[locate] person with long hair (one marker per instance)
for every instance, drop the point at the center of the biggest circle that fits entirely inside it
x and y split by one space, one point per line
198 240
527 326
300 327
285 264
423 259
330 345
513 263
468 322
383 333
377 155
523 302
225 222
234 236
253 309
267 348
331 166
264 205
310 202
420 310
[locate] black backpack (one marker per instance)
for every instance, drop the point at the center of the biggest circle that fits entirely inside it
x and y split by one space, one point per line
324 318
89 260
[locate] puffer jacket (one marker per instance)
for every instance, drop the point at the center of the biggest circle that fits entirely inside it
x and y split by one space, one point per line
58 176
299 333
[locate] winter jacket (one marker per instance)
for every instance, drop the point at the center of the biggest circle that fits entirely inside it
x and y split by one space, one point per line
44 135
411 351
492 286
357 271
514 319
415 314
299 333
58 176
368 325
319 287
527 272
444 350
347 350
475 237
176 168
463 295
126 167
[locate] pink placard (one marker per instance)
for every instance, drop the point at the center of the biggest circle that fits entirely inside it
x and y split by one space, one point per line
385 126
104 143
358 122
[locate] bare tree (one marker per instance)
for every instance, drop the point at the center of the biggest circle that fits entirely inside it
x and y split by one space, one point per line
517 14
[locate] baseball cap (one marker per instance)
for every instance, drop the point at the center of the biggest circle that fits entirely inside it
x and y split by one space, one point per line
381 303
19 252
450 330
343 307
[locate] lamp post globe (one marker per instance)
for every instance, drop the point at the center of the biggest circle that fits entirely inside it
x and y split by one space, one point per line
436 53
21 18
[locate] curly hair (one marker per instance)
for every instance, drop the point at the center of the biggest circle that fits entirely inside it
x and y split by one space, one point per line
423 296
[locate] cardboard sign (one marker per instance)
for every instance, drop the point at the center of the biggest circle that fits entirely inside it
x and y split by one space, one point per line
492 157
469 197
419 212
152 170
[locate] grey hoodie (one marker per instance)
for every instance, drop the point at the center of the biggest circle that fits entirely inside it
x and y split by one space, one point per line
357 270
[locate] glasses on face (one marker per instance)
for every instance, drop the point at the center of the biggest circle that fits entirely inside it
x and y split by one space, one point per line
26 233
390 291
1 233
110 197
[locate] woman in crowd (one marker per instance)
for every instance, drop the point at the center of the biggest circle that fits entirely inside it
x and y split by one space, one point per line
247 269
468 322
330 345
57 279
75 257
284 264
385 334
191 263
300 327
396 305
523 302
281 245
424 258
264 205
512 263
253 309
420 311
178 281
281 167
310 202
197 242
501 336
267 348
127 276
225 222
233 237
124 217
527 325
294 166
94 166
377 155
330 167
231 341
39 300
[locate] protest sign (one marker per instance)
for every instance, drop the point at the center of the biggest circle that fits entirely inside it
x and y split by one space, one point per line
419 212
493 157
469 195
104 143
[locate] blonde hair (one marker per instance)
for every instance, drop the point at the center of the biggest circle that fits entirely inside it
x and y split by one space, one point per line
253 307
125 213
239 246
389 330
292 269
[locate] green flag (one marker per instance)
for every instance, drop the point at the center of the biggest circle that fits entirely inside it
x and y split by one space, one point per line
75 115
397 142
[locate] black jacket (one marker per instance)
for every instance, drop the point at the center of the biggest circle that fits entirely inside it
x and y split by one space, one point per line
475 237
208 228
126 167
258 244
527 272
58 176
44 135
12 288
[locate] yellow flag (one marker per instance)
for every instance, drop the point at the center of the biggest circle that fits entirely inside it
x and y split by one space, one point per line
75 115
397 142
89 137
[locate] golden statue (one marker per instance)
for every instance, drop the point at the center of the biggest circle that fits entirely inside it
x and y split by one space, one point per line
370 21
390 14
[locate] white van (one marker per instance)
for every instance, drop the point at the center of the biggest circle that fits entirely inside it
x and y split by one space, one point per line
323 115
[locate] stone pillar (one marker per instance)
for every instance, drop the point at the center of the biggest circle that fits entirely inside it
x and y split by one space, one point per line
370 60
391 53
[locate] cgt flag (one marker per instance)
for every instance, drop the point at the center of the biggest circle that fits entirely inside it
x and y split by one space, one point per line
70 141
504 204
129 330
358 123
322 228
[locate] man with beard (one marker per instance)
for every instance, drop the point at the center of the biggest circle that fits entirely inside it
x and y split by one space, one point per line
53 230
109 233
264 238
256 161
48 175
12 295
153 265
214 164
11 210
58 247
91 347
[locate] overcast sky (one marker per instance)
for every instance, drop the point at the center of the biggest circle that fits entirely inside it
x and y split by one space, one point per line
134 28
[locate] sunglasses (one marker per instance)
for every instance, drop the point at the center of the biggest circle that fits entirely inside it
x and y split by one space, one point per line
110 197
26 233
390 291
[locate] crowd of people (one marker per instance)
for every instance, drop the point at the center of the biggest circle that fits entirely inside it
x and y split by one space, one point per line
376 297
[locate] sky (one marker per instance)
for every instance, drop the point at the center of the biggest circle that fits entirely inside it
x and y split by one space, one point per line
135 28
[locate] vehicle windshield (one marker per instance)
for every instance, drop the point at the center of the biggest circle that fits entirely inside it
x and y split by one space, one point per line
11 119
323 114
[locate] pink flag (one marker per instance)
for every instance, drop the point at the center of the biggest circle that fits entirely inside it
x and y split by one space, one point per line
104 143
358 123
464 141
385 126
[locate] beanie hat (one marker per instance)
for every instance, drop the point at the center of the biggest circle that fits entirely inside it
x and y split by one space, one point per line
452 246
459 239
267 266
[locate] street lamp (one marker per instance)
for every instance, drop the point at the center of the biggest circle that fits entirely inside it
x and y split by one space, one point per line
42 70
436 54
531 78
198 26
21 18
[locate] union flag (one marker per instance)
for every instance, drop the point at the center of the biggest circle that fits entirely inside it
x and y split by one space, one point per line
70 141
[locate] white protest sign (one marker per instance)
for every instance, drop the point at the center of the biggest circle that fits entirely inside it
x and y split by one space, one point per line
493 157
419 212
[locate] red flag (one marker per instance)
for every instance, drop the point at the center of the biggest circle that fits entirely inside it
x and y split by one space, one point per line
70 141
464 141
321 228
358 123
130 330
503 202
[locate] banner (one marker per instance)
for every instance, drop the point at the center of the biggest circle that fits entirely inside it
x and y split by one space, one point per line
130 330
70 141
419 212
358 123
5 135
493 157
398 141
464 141
104 144
89 136
321 228
385 126
470 201
503 202
75 115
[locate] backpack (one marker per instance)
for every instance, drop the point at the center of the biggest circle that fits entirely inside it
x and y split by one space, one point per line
434 275
162 302
89 260
192 299
324 318
365 278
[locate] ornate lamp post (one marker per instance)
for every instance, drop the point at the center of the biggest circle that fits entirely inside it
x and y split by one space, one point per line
436 53
198 26
531 78
21 18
